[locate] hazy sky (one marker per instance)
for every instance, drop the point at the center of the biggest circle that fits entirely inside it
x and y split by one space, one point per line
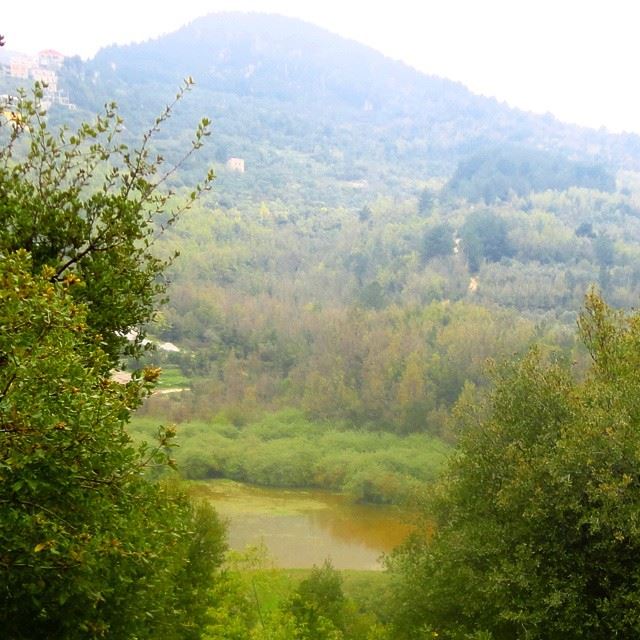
574 58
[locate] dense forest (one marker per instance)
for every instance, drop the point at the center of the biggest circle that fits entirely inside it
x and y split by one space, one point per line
398 294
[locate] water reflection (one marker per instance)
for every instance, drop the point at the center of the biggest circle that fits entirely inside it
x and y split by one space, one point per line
303 528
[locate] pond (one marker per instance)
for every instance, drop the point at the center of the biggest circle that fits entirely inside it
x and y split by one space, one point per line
303 528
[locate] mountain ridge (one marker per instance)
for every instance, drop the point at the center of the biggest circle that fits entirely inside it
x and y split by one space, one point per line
261 55
316 114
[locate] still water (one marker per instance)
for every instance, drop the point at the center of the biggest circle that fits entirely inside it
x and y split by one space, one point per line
302 528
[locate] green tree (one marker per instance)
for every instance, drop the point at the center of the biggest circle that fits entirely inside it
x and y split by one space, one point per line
89 547
437 241
604 250
484 236
426 202
372 295
85 203
318 605
536 531
503 171
585 230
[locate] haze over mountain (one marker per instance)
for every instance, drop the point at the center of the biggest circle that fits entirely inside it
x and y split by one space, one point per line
293 99
356 180
386 267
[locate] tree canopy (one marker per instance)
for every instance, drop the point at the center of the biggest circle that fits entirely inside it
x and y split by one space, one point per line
536 521
89 547
83 202
484 236
498 173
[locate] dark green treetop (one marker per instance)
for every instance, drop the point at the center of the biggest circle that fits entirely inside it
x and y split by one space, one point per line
536 521
89 548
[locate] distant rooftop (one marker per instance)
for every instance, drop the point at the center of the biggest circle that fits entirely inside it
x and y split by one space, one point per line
51 53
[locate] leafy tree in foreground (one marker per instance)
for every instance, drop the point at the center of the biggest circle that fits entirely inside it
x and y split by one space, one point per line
85 203
88 547
537 530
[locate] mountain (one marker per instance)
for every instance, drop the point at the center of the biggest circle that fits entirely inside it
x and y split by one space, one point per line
313 112
390 231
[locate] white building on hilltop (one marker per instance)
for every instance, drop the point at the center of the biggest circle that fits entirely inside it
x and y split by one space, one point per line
236 164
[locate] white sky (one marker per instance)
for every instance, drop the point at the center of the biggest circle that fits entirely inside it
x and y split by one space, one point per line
577 59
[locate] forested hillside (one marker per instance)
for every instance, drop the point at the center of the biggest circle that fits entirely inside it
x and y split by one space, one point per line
383 281
390 232
319 120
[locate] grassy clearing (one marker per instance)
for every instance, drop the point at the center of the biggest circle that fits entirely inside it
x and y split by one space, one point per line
270 587
172 378
274 586
260 602
284 449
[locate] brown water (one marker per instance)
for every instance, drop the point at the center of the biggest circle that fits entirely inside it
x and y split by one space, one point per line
303 528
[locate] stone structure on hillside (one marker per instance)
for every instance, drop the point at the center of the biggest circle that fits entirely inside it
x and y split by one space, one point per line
236 164
42 68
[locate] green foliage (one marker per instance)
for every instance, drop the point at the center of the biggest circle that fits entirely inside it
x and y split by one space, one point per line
195 582
172 378
374 335
604 250
233 615
395 369
382 333
338 157
89 548
259 602
437 241
319 609
286 450
372 296
320 120
484 237
536 520
426 202
585 229
318 605
504 172
84 204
